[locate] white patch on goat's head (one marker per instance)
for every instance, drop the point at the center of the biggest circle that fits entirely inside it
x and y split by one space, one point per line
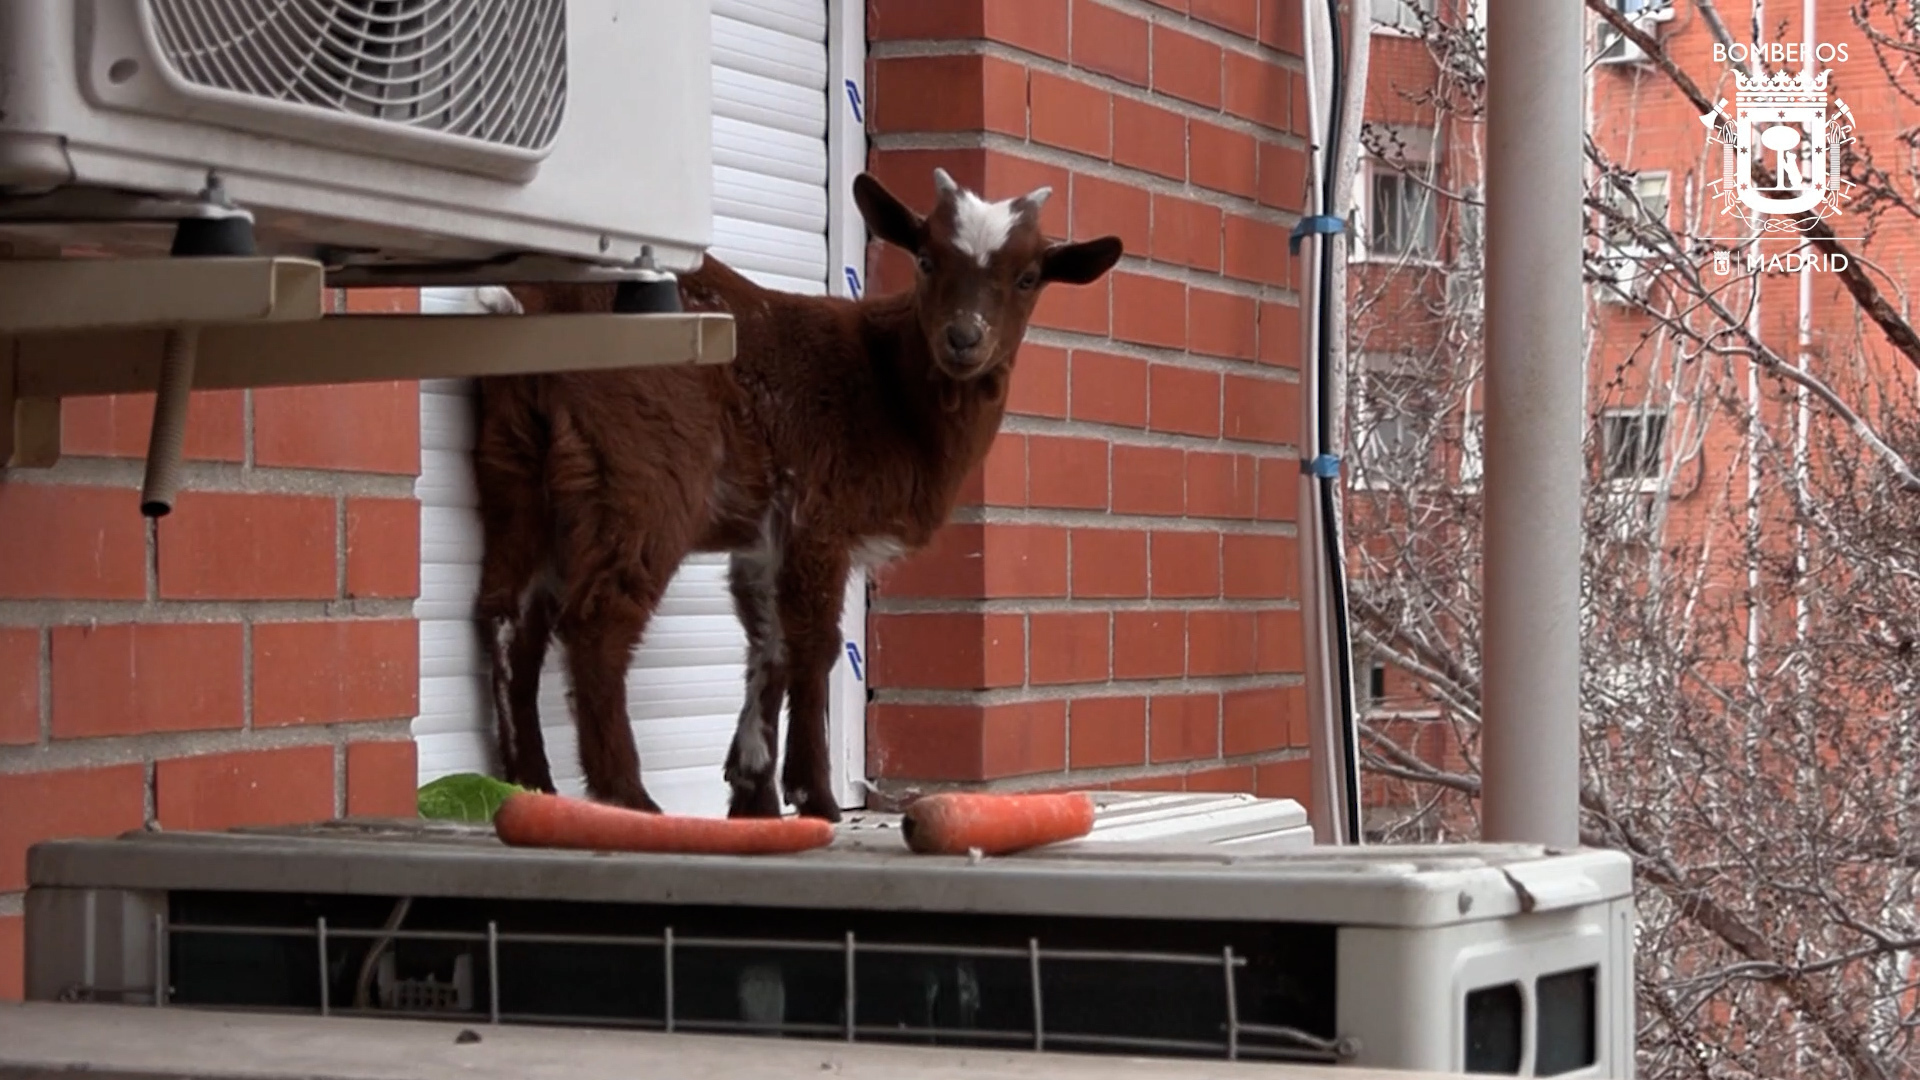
981 228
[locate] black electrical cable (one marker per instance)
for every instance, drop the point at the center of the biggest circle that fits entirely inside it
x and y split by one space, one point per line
1323 363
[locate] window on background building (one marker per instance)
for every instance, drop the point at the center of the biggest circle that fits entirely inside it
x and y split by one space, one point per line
1643 203
1625 686
1466 274
1397 216
1391 405
1473 431
1633 446
1400 215
1652 9
1473 223
1401 15
1626 255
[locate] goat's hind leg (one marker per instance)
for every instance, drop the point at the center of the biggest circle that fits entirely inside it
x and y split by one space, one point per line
623 525
601 621
750 760
527 655
515 640
513 619
599 650
512 613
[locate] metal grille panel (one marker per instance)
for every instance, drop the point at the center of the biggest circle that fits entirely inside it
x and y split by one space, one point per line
494 71
770 973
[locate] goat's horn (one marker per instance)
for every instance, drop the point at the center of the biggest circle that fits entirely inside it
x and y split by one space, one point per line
944 182
1037 198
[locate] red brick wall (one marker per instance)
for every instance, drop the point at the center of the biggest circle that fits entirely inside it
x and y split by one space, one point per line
250 659
1116 603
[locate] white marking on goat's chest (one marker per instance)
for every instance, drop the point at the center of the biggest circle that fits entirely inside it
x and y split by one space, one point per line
872 551
981 228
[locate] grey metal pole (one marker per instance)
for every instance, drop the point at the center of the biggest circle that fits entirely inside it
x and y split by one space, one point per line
1530 646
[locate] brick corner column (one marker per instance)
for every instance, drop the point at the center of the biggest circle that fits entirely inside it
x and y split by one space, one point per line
1114 603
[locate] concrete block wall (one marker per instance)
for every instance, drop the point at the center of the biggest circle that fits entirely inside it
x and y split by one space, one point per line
1116 604
251 658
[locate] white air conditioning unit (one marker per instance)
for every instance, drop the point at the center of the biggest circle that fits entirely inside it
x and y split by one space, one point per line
1186 925
422 139
1618 49
1622 275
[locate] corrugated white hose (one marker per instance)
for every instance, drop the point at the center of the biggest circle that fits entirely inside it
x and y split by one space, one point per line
169 422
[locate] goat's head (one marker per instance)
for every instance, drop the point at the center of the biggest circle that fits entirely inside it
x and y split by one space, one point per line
981 267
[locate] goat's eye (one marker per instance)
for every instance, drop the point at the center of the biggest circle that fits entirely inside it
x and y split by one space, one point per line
1030 280
926 263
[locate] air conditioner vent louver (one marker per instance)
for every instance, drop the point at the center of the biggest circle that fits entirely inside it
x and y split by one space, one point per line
494 71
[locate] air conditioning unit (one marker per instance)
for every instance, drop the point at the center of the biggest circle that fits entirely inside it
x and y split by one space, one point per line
1622 277
1618 49
422 139
1186 925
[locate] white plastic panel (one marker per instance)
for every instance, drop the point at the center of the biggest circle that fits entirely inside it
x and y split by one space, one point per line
770 221
770 136
1237 821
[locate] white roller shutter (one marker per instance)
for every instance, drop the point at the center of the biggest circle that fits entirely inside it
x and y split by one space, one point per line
771 199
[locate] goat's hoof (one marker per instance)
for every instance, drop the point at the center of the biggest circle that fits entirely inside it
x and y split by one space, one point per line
634 800
533 779
820 806
759 801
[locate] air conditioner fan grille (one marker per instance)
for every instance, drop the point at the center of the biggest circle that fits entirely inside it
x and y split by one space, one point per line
489 70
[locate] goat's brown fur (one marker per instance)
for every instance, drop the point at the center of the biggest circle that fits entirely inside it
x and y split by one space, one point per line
840 434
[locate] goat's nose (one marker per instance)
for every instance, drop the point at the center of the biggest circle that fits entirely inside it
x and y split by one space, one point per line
963 335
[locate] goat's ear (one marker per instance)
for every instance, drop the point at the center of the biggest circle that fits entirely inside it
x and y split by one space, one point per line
1082 263
887 217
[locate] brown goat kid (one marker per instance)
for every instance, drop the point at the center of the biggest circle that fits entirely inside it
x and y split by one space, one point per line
840 435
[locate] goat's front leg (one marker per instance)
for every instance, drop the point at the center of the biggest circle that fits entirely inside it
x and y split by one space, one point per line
812 587
751 578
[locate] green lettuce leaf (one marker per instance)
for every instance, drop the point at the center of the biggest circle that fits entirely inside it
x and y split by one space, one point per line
464 797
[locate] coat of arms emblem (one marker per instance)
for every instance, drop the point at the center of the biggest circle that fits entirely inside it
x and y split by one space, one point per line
1781 151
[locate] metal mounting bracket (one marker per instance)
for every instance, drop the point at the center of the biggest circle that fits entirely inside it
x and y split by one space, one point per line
368 348
47 295
81 327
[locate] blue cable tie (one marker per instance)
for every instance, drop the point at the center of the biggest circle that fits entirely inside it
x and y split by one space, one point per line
1314 224
1326 466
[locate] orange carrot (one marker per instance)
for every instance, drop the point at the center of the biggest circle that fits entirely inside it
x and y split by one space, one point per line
536 819
952 822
